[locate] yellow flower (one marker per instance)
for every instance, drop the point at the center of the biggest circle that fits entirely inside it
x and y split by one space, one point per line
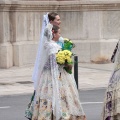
69 60
64 56
66 39
67 52
60 61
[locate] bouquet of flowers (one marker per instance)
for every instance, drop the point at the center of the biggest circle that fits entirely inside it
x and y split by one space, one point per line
64 57
68 44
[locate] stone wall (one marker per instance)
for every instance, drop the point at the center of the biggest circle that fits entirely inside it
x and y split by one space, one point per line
93 25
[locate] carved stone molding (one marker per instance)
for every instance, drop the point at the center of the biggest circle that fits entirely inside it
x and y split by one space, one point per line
60 5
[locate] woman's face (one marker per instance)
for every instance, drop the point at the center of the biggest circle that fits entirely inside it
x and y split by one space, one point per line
56 36
56 21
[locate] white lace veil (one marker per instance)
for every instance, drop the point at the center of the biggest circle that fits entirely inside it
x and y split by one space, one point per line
46 44
37 67
48 48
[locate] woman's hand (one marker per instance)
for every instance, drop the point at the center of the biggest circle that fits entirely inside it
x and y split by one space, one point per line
68 68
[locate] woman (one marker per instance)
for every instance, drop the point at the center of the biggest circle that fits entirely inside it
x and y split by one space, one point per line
50 18
55 98
111 109
53 19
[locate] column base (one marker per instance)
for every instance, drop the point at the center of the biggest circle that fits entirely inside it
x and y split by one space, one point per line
97 51
24 53
6 55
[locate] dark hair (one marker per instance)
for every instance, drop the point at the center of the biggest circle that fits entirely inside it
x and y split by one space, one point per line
51 16
55 28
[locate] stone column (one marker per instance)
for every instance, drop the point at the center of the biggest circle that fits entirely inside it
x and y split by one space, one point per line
26 29
92 24
6 51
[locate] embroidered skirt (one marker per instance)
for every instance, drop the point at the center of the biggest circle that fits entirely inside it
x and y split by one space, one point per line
70 103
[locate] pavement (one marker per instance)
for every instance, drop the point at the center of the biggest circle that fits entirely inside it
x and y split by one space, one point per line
17 80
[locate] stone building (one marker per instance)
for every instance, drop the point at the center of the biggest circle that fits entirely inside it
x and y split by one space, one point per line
94 26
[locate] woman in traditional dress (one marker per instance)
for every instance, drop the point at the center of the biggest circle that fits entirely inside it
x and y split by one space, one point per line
56 97
49 18
111 108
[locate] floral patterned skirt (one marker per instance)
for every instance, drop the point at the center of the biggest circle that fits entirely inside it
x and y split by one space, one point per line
43 111
111 108
71 107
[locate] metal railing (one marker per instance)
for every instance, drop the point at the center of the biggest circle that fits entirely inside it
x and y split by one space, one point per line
76 69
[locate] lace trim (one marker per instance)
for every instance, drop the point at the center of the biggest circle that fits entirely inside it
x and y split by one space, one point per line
56 102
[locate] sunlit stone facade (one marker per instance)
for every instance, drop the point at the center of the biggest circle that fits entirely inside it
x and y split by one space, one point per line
94 26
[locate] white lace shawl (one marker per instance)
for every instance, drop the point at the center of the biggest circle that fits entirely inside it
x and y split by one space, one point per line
50 48
47 37
39 52
56 101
